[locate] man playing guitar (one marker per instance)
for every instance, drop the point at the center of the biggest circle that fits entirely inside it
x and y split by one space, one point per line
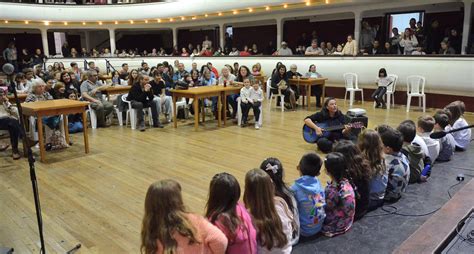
330 115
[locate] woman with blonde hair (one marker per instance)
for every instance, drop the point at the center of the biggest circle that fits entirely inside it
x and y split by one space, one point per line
167 226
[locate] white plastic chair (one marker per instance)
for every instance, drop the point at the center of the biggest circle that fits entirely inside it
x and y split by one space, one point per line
239 114
92 116
133 113
351 81
390 94
416 88
272 96
181 104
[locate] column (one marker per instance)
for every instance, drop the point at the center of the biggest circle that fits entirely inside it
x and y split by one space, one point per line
175 36
466 25
44 39
109 1
88 41
112 40
279 32
222 35
357 21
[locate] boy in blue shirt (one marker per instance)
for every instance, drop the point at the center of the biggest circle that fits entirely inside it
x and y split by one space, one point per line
310 195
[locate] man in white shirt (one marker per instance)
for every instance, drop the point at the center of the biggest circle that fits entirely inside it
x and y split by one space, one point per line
284 50
206 43
314 50
350 48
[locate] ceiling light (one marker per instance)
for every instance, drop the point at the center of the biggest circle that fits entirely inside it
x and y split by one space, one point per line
220 14
308 3
83 23
116 22
327 1
46 23
131 21
267 8
205 15
250 10
100 23
235 12
193 18
171 19
6 21
65 23
285 6
146 21
26 22
159 20
183 18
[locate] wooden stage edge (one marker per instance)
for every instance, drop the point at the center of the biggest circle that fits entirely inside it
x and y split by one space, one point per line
435 231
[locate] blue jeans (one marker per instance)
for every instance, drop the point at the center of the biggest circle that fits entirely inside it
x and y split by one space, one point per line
75 127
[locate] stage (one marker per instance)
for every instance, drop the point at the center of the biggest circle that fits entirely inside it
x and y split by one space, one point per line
96 199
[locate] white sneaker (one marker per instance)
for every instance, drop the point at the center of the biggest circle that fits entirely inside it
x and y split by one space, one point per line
257 126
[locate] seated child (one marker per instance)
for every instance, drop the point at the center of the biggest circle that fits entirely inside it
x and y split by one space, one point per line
447 143
412 151
462 138
397 165
310 195
340 197
424 128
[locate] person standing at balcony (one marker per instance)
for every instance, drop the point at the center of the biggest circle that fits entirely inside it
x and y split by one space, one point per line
38 57
65 50
270 49
206 43
228 42
284 50
350 48
455 41
303 41
408 42
367 35
314 50
395 42
434 36
10 54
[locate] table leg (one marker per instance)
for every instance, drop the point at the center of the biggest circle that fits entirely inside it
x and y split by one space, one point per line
309 97
203 112
175 122
39 124
66 128
225 107
84 132
323 94
219 110
196 113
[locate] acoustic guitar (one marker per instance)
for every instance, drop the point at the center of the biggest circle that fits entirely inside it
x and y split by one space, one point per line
310 136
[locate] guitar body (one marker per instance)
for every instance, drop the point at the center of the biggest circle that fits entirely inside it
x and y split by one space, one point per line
310 136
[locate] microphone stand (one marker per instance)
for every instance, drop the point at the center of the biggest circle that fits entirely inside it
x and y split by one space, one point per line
31 162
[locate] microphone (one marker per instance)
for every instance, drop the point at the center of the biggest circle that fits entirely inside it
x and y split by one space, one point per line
8 68
441 134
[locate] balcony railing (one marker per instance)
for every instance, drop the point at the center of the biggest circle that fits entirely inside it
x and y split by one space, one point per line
84 2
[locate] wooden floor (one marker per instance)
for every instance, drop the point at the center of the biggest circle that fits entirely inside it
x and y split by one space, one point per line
97 199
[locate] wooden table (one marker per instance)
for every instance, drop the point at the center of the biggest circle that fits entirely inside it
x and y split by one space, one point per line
63 107
262 80
307 84
197 93
21 97
111 90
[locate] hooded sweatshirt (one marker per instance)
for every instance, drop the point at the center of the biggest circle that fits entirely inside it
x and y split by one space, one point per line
415 157
311 201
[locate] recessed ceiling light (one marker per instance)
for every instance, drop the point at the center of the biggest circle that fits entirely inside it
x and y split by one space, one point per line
308 3
235 12
159 20
183 18
46 23
83 23
6 21
171 19
65 23
250 10
205 15
146 21
100 23
26 22
220 14
131 21
116 22
267 8
285 6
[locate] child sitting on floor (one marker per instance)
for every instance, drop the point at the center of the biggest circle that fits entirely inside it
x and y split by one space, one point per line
424 129
447 143
397 165
310 195
462 138
412 151
340 197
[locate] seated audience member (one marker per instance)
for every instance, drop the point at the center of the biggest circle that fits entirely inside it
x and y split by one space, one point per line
224 210
194 67
387 49
228 79
279 83
462 138
371 147
359 175
145 69
315 90
322 45
284 50
76 70
141 96
93 67
180 73
270 48
330 49
30 77
236 69
447 143
340 197
314 50
350 48
124 71
168 228
272 217
243 73
9 122
309 195
195 79
397 165
254 50
60 91
418 52
234 52
252 100
213 70
299 51
69 83
412 151
294 74
218 52
424 129
208 80
163 102
52 124
375 49
132 78
382 82
20 83
255 71
74 120
91 90
274 168
245 51
116 81
184 52
446 49
331 116
408 42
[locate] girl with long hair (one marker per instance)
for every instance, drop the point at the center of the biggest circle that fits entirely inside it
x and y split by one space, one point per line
274 168
133 77
167 227
371 146
359 174
340 197
271 216
225 212
461 138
